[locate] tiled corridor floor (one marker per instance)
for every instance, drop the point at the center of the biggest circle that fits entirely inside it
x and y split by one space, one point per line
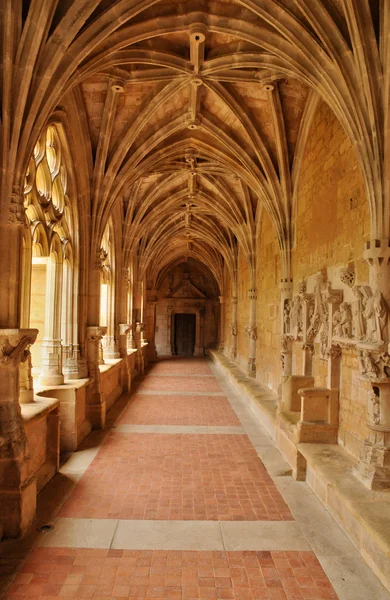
183 496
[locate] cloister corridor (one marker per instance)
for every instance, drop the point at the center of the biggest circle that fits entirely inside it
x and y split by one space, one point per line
183 495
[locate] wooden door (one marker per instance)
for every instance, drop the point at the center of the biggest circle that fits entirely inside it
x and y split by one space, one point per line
185 334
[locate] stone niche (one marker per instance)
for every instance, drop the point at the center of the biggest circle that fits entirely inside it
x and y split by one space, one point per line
187 289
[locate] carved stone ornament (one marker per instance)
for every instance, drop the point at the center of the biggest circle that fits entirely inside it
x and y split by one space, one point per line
374 411
333 352
374 366
14 345
347 277
234 330
17 215
252 332
284 343
96 333
125 328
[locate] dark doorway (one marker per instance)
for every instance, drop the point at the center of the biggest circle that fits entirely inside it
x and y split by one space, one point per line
185 334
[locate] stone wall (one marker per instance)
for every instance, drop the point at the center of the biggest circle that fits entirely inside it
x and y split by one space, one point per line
201 299
331 225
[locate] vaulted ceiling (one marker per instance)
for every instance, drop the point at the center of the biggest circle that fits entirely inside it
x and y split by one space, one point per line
194 114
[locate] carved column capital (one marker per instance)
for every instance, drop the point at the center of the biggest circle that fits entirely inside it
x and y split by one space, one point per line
286 286
14 344
252 294
377 252
95 333
125 328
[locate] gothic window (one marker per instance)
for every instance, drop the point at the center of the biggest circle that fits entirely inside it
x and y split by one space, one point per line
49 260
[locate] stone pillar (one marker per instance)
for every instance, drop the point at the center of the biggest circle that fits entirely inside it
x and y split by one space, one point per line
17 488
286 288
234 327
169 350
373 468
96 408
199 341
222 324
151 326
251 330
51 363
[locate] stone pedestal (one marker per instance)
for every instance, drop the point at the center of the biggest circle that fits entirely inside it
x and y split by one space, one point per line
72 363
96 408
17 489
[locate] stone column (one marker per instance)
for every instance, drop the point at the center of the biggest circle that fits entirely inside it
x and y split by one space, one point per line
222 324
150 326
96 408
373 468
51 364
251 330
234 328
169 350
286 290
199 339
17 488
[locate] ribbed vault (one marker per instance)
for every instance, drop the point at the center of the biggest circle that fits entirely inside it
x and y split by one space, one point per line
193 116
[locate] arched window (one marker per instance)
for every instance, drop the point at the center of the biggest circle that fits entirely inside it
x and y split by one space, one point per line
49 303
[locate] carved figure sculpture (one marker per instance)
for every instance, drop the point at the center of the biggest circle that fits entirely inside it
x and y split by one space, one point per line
381 316
359 328
369 315
374 415
252 332
295 316
342 321
286 316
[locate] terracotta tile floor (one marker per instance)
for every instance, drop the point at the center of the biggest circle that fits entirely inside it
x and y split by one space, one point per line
179 410
63 573
181 366
179 384
176 476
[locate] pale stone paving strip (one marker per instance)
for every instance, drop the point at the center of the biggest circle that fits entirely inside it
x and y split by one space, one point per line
174 535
